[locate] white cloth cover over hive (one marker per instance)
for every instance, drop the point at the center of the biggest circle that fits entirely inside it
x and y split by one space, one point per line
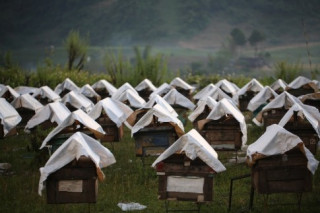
173 97
66 84
204 91
277 140
310 96
227 86
8 115
9 89
26 101
54 112
132 97
25 89
163 116
89 92
193 145
252 85
76 116
161 90
226 107
156 99
210 102
47 92
145 84
122 89
261 98
178 82
305 112
103 84
118 112
77 145
301 81
279 84
285 100
78 101
216 93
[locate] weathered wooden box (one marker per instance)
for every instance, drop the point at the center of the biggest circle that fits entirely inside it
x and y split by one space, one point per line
76 182
223 134
301 91
282 173
313 102
183 179
13 131
273 116
245 99
102 92
153 140
113 133
305 131
145 94
26 115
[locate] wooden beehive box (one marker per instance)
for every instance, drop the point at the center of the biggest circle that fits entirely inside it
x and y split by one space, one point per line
282 173
273 116
202 116
313 102
113 133
154 139
76 182
305 131
306 89
145 94
26 115
245 99
185 92
223 134
13 131
102 92
183 179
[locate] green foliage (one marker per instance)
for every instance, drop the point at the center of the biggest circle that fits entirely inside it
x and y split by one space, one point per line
238 37
77 48
287 72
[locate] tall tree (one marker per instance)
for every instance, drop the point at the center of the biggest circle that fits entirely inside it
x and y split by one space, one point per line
77 48
255 38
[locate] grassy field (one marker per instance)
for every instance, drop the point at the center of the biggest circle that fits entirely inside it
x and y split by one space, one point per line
129 181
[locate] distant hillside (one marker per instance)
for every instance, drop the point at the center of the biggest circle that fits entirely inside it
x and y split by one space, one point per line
201 23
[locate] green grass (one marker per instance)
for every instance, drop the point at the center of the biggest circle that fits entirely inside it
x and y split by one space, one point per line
129 181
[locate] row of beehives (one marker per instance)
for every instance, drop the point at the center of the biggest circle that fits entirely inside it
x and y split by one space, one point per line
219 124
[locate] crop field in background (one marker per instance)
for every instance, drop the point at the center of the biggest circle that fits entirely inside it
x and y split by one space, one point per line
129 181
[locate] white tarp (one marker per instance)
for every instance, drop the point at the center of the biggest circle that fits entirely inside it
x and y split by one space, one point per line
103 84
77 145
179 83
217 94
145 84
305 112
78 101
117 111
301 81
25 89
227 86
317 83
210 102
279 84
227 107
26 101
285 100
66 84
262 97
173 97
122 89
204 91
193 145
162 90
163 116
8 115
80 117
47 92
10 90
54 112
277 140
89 92
132 97
252 85
156 99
